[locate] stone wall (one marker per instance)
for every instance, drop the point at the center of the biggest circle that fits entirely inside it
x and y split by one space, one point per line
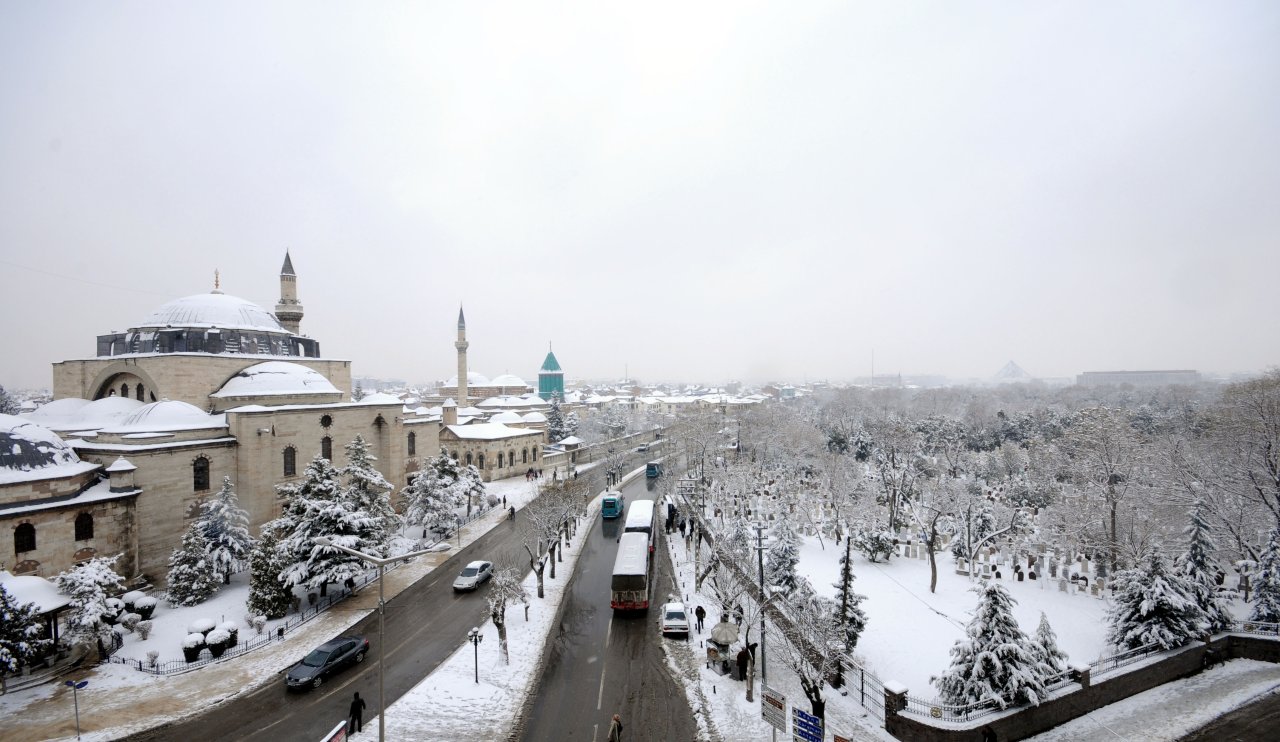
57 550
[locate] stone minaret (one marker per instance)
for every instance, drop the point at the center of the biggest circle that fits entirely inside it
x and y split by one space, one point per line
289 311
461 345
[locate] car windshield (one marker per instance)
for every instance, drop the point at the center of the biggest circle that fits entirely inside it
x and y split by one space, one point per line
316 658
469 572
675 615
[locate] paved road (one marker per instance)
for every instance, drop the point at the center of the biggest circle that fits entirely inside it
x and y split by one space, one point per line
599 664
424 625
1257 722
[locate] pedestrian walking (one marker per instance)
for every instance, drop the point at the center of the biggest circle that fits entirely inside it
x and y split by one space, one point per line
615 729
700 613
737 613
743 658
356 715
682 527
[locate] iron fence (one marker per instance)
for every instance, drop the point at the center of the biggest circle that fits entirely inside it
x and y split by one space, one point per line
945 712
1120 659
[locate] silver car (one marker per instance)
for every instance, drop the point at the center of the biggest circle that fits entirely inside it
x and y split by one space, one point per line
473 575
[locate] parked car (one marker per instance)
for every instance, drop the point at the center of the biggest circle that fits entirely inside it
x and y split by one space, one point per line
674 619
325 660
473 575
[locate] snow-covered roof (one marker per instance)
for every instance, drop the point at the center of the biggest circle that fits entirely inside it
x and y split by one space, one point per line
33 589
507 380
473 379
75 414
472 411
507 417
30 452
488 431
213 310
121 464
276 378
571 440
380 398
534 417
167 416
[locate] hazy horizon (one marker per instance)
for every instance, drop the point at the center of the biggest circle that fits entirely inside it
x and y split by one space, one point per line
725 191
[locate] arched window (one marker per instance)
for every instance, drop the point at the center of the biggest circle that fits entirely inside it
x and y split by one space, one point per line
480 461
140 397
413 444
535 454
124 390
84 527
24 538
326 447
500 459
524 456
200 474
290 461
454 455
469 458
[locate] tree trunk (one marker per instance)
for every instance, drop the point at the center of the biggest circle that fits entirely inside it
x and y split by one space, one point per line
538 570
551 557
502 639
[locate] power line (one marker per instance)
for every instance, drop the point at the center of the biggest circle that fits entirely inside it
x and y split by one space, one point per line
82 280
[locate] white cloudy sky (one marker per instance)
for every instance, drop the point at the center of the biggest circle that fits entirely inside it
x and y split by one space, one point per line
687 190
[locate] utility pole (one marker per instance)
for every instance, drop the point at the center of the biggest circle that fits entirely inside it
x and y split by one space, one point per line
764 596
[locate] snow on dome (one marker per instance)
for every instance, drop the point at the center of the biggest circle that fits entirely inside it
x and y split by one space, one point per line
380 398
506 380
56 411
167 415
276 378
26 446
473 379
506 418
213 310
534 417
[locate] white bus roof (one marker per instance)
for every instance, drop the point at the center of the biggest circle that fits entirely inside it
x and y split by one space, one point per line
633 555
641 511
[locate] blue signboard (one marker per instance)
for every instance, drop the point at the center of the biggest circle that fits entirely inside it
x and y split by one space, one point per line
805 727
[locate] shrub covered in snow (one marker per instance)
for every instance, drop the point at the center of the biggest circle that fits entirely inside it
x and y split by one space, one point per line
144 629
259 623
201 626
130 621
132 597
88 583
217 637
152 657
145 606
193 640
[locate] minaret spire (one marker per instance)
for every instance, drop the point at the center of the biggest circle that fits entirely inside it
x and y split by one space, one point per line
461 345
289 309
217 281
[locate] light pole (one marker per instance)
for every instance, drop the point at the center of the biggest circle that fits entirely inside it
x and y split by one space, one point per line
381 564
475 637
75 698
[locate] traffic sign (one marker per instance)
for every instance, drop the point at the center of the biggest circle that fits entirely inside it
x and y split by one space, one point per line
805 727
773 708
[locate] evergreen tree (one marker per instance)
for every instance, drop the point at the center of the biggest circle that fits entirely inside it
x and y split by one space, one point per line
1196 565
193 575
8 405
431 498
1266 583
20 629
1047 643
470 486
316 507
89 584
370 492
571 423
1153 605
225 526
996 662
781 557
556 431
849 614
268 596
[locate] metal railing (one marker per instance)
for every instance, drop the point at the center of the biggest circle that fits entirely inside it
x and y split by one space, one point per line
938 711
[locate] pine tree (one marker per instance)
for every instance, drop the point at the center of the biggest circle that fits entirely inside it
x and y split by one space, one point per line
470 485
8 405
268 596
20 629
370 492
849 614
431 498
1153 605
781 557
193 576
318 507
89 584
571 423
996 662
1196 565
1266 583
1047 643
225 526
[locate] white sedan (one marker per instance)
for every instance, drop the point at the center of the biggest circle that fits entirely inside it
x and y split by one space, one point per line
473 575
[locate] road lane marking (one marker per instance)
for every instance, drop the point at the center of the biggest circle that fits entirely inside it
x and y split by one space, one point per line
604 666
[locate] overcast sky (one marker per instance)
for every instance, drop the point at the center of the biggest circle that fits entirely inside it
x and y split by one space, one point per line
685 191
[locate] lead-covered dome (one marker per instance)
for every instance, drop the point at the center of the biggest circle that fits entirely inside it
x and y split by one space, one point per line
276 378
213 310
167 416
25 446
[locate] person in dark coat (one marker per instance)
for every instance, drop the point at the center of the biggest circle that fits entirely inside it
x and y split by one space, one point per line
743 658
615 729
700 613
988 734
356 715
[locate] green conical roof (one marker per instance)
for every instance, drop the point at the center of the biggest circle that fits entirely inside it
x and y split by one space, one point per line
551 364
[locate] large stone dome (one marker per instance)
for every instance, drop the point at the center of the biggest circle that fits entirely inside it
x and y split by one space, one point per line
276 378
213 310
25 446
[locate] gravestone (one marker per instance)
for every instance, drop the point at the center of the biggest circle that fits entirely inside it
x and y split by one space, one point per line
1062 585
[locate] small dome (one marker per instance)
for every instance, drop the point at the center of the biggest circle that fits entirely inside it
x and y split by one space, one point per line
25 446
506 418
167 415
380 398
534 417
213 310
507 380
275 378
473 379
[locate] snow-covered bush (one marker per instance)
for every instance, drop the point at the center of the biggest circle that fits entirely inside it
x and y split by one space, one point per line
192 578
491 500
259 623
193 640
115 607
1154 605
873 543
201 626
217 637
144 629
996 662
132 597
152 657
232 629
145 606
88 583
130 621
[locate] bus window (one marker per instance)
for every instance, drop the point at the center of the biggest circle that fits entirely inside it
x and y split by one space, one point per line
612 505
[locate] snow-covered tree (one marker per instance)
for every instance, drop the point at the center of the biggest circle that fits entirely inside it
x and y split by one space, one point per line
850 617
1266 583
1047 643
471 486
268 596
996 662
8 405
560 425
369 492
1196 565
431 498
20 629
506 588
1153 605
89 584
193 577
615 421
225 526
811 642
316 507
781 556
872 541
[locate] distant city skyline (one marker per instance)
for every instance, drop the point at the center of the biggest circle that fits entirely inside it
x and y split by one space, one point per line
707 193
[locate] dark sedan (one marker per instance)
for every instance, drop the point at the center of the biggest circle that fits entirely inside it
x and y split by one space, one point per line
325 660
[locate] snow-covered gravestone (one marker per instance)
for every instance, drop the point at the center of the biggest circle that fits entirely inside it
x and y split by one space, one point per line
1062 585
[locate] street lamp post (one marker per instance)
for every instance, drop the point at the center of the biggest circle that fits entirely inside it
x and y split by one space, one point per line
381 564
475 637
75 698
